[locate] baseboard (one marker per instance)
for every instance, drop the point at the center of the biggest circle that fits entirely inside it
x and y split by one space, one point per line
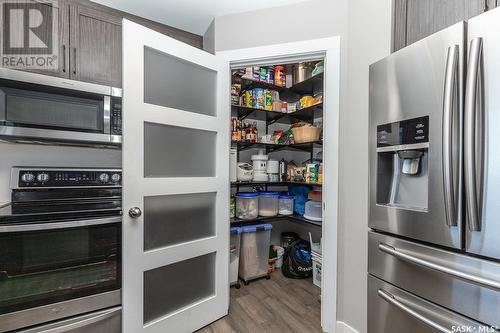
344 328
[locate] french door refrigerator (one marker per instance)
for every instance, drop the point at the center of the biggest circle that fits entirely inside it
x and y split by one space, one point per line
434 247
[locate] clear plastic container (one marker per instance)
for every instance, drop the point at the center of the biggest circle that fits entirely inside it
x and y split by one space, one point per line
286 204
313 211
234 255
247 205
268 204
254 253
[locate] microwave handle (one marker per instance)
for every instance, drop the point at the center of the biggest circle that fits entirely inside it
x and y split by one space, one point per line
107 115
58 225
83 322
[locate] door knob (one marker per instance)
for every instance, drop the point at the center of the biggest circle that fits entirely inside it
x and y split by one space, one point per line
134 212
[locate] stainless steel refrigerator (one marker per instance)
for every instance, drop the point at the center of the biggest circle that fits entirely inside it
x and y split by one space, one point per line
434 243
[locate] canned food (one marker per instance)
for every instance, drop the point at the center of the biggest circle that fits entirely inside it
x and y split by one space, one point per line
259 101
279 76
256 72
248 99
270 75
269 100
263 74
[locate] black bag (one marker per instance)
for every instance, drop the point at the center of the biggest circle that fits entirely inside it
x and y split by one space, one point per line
297 260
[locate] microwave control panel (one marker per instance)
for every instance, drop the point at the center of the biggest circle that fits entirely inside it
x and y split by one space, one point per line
116 118
403 132
50 178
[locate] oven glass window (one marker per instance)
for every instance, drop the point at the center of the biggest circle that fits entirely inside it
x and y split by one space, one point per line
44 267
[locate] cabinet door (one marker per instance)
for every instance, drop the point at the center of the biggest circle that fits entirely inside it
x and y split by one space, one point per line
60 12
425 17
96 46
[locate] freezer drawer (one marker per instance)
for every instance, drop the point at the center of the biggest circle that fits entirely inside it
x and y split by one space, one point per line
104 321
392 310
461 283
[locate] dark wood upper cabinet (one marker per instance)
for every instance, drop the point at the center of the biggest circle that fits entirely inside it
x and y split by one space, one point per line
417 19
96 46
90 41
60 12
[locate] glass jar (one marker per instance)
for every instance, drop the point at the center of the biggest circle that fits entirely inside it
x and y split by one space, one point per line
286 204
268 204
247 205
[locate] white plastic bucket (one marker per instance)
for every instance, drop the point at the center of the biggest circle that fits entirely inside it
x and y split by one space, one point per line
280 252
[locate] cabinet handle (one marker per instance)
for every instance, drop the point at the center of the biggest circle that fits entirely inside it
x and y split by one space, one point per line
74 60
64 58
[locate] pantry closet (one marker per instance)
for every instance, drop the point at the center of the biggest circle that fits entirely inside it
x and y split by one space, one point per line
176 183
276 174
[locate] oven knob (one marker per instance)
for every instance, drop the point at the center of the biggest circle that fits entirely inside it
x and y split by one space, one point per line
115 177
27 177
104 177
42 177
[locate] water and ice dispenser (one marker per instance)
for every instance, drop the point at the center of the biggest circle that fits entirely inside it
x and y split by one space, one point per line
403 164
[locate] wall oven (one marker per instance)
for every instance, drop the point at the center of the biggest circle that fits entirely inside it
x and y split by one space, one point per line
60 245
36 107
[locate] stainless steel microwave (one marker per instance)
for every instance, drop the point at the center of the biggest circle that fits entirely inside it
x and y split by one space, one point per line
40 108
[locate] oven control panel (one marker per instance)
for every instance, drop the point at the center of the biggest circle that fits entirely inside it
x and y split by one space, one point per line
50 178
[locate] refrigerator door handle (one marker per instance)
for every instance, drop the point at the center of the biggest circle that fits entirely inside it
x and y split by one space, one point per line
450 106
491 284
473 134
391 299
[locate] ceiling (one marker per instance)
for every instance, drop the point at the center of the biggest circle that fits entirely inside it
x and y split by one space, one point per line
193 15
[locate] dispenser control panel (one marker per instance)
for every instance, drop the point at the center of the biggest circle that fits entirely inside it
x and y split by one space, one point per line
403 132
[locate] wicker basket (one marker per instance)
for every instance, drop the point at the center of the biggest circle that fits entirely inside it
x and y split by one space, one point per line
306 134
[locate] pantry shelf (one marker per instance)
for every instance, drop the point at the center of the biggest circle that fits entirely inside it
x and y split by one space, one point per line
309 85
238 184
305 87
271 116
296 218
271 147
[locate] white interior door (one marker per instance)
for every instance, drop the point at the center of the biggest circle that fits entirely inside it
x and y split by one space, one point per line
175 184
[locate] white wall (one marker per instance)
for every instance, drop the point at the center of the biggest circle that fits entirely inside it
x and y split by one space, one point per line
37 155
364 28
369 41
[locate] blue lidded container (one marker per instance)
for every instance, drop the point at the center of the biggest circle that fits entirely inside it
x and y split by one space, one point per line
247 205
286 204
268 204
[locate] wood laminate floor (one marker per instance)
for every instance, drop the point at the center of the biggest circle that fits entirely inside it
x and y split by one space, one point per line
276 305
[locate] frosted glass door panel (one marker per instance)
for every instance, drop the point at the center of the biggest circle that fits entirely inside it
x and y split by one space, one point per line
178 84
171 151
172 287
175 219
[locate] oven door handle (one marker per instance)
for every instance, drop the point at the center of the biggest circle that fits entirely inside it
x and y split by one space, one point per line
58 225
84 322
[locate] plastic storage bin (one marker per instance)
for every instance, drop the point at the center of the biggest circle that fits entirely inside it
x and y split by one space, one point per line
313 211
247 205
234 256
316 267
268 204
254 252
286 204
